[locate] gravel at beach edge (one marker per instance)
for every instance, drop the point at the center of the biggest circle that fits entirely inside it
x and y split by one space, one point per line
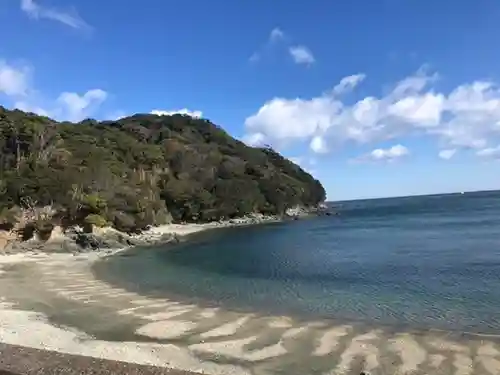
18 360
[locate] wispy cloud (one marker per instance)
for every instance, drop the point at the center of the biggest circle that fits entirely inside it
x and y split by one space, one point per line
69 17
277 38
254 57
276 35
301 55
384 155
447 154
490 152
348 83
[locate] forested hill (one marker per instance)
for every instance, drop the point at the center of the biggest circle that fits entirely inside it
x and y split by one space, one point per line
142 170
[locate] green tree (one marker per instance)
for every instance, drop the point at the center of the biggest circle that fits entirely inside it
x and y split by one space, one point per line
143 170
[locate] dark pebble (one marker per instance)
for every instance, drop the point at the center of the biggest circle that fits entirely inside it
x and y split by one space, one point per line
17 360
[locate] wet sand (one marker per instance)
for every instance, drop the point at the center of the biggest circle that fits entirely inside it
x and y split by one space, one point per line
56 304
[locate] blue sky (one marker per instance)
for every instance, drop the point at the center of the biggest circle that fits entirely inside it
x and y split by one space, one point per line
375 98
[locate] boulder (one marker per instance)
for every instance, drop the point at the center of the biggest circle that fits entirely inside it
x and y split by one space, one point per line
57 234
88 241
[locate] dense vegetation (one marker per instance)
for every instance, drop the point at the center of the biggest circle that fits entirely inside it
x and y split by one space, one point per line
141 170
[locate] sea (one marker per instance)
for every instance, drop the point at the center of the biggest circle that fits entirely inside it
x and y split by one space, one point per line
430 262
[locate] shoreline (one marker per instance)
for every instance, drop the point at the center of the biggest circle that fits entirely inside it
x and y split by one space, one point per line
157 236
190 337
111 241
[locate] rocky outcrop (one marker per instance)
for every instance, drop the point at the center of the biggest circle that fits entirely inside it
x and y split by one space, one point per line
300 211
76 240
297 212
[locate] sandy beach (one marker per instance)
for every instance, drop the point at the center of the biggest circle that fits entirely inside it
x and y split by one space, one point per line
54 302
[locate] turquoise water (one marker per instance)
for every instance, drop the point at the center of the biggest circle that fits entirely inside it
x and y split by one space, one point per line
426 262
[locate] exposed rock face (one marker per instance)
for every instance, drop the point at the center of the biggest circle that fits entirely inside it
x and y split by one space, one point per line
300 211
75 240
57 234
297 211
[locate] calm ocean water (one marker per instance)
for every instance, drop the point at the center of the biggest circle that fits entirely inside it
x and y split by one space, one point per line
426 262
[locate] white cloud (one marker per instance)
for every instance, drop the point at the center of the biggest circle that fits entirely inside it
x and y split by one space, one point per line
386 155
422 110
301 55
15 84
476 115
13 80
466 117
254 139
447 154
26 107
348 83
184 111
69 106
77 107
282 119
490 152
318 145
414 83
69 18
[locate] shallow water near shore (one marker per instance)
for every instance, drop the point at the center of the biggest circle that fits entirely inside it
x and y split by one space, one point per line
419 262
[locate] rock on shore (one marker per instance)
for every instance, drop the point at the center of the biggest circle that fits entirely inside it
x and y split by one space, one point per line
76 240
